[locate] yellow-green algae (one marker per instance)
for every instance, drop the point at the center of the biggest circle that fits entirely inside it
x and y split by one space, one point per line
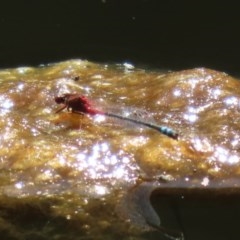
63 176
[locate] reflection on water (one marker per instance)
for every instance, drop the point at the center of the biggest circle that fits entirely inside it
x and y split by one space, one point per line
85 165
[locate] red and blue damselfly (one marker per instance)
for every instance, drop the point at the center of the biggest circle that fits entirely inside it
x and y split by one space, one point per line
81 105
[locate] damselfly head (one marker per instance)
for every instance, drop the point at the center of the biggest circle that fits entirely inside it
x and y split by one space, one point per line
60 100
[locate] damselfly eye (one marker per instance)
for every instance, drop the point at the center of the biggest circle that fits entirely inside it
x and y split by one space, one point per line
59 100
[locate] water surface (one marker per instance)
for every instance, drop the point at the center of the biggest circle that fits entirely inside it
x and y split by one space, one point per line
84 174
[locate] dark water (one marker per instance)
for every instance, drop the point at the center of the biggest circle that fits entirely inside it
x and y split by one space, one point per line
209 216
163 34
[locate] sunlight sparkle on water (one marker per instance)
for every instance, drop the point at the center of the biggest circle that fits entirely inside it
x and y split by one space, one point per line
235 141
62 160
215 93
190 115
100 190
6 103
20 86
97 76
193 82
48 173
177 92
99 118
101 162
35 132
19 185
223 155
205 181
23 70
128 65
87 89
202 145
231 100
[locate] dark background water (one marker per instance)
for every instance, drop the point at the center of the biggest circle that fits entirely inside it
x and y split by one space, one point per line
210 216
163 34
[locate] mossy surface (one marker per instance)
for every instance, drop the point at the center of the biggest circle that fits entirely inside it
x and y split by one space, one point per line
64 176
